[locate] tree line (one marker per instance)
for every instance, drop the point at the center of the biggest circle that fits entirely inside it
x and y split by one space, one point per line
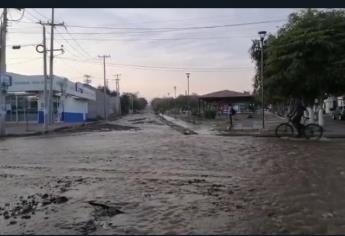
181 103
131 101
305 59
128 101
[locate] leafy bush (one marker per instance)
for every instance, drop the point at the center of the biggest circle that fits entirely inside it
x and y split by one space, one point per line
210 114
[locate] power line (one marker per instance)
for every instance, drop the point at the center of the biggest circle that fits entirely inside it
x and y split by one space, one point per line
179 28
80 47
156 30
73 49
78 44
163 39
33 16
64 39
37 12
165 68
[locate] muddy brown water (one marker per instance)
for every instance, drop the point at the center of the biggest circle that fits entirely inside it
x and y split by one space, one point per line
155 180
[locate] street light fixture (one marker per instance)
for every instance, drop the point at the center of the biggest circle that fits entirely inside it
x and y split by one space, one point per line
262 35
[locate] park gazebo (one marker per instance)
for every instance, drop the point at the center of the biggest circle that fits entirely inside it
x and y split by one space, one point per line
241 101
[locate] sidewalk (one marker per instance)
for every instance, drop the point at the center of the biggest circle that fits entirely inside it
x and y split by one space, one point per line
23 129
253 126
333 128
199 128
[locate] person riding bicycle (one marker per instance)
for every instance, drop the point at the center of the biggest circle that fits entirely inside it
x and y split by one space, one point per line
296 116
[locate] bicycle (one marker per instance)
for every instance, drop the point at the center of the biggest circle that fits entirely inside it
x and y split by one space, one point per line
309 131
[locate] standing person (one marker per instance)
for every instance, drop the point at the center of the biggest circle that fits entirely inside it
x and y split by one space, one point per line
231 112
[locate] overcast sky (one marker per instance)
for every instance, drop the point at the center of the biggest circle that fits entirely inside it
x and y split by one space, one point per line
147 46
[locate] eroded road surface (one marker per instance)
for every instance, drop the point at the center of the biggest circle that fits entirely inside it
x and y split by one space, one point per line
155 180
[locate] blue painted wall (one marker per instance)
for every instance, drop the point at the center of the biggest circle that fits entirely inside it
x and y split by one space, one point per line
72 117
40 117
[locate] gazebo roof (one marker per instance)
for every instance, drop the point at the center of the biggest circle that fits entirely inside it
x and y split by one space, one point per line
226 94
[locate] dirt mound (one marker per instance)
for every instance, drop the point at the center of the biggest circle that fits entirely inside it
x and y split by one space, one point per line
27 206
104 209
96 127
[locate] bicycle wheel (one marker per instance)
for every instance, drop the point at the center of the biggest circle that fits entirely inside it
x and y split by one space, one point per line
313 131
284 130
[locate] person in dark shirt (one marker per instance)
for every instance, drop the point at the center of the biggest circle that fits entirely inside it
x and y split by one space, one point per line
297 115
231 112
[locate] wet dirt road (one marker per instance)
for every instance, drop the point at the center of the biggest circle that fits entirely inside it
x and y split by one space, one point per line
155 180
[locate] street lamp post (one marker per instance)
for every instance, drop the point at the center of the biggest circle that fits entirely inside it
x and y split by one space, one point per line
188 105
262 35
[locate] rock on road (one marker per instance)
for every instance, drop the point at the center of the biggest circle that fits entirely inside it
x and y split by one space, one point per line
155 180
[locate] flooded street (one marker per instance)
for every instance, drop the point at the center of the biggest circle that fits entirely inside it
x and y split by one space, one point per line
155 180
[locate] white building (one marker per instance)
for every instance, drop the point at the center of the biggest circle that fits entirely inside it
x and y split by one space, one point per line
25 99
332 102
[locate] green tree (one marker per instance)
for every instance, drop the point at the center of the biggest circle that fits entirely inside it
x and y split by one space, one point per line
305 59
175 105
125 103
139 103
112 93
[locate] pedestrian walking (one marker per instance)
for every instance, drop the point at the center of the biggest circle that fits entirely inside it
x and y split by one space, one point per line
231 112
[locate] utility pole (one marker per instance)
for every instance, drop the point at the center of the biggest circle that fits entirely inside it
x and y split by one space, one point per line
132 96
45 111
87 79
117 80
49 101
262 84
51 68
262 35
51 74
188 74
175 91
46 94
188 105
105 85
3 41
45 77
3 32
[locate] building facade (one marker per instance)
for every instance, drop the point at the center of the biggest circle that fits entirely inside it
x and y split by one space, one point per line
25 99
331 103
96 107
241 102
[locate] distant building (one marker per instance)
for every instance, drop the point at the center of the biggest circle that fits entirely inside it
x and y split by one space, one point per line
240 101
333 102
25 99
96 107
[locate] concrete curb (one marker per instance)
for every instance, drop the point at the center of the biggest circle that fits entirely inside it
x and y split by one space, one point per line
177 127
340 136
55 130
249 133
